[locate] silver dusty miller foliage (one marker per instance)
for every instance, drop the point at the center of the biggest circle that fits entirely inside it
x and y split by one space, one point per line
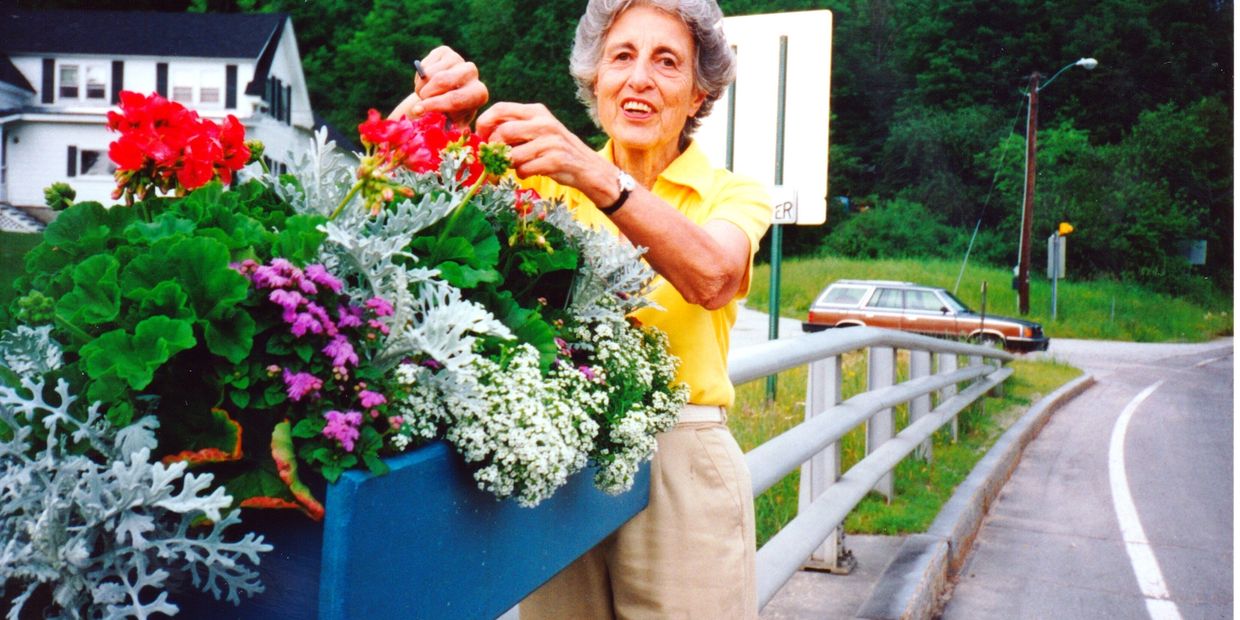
102 534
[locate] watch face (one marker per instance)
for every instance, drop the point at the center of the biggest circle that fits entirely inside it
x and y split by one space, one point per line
627 182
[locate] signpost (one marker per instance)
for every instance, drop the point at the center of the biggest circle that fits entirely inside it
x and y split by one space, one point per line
783 79
1057 263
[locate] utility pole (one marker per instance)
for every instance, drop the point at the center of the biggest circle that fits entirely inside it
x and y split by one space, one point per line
1026 227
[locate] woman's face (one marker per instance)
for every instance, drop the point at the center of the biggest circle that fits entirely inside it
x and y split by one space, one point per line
645 85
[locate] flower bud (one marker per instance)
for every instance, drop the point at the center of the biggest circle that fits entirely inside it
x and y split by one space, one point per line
256 150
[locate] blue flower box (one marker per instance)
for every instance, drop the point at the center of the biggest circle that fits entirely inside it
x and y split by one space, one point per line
420 542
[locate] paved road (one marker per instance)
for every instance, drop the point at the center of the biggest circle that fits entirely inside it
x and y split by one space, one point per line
1145 456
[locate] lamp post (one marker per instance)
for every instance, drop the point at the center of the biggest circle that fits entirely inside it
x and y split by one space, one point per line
1031 148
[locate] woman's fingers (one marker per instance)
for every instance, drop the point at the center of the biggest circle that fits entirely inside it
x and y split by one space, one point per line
405 108
452 86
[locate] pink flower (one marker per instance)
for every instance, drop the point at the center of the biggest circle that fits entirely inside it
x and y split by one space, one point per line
319 275
348 316
380 306
299 385
341 352
303 322
289 300
587 372
378 325
320 314
343 427
371 399
270 276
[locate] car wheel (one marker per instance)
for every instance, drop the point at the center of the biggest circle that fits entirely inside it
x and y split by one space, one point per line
989 340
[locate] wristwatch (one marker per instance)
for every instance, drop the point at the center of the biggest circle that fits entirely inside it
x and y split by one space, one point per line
627 184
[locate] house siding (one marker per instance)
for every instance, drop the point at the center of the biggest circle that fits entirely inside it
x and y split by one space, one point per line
44 127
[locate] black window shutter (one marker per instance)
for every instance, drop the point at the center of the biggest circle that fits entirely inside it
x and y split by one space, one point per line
161 79
277 92
72 169
288 105
49 80
230 87
118 80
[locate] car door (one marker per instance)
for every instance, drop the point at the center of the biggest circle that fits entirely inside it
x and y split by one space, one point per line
885 308
924 313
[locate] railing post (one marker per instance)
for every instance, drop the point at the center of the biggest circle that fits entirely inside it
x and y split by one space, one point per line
918 367
948 363
881 373
822 391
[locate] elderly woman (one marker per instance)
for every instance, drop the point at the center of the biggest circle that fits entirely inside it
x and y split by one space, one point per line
649 70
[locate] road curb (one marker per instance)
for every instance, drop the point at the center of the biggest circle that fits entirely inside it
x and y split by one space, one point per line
911 586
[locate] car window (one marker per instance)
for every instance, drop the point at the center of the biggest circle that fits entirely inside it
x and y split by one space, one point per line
887 298
955 304
923 300
844 295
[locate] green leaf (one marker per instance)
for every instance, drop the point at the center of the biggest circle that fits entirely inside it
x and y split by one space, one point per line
198 264
231 336
165 226
215 438
304 350
134 358
168 299
527 325
240 398
534 263
463 276
471 247
85 229
309 428
286 464
95 297
300 239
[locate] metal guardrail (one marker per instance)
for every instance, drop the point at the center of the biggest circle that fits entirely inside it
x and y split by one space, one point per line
827 496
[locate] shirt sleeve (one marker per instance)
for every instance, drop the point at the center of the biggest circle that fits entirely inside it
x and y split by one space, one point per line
745 203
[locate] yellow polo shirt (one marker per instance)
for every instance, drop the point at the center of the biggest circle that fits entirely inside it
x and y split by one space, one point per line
699 337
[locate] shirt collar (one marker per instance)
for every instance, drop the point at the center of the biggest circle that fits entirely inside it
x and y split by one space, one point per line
691 169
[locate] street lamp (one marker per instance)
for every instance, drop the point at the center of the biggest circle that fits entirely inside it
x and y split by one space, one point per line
1031 147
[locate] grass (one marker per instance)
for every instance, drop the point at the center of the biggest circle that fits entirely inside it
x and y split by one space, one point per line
12 247
921 487
1098 309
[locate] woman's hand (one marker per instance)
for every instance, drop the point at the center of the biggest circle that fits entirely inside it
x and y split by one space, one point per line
452 86
542 145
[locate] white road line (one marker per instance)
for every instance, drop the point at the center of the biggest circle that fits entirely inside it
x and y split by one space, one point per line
1149 577
1209 361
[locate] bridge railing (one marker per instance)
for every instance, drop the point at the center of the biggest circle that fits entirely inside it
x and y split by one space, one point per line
827 495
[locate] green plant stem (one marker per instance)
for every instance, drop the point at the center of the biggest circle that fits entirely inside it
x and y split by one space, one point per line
347 197
456 211
75 331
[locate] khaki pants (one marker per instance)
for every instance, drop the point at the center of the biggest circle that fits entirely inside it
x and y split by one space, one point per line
689 554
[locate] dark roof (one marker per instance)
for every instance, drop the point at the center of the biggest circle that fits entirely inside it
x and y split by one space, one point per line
138 33
10 75
263 67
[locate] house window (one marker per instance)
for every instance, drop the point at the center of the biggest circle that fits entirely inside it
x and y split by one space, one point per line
69 81
96 82
202 88
87 81
92 163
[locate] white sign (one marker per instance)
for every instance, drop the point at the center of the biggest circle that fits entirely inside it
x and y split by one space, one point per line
784 205
807 108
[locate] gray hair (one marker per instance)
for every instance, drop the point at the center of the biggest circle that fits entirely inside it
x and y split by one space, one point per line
714 67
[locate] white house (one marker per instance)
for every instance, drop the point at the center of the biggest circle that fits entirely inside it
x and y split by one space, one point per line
61 71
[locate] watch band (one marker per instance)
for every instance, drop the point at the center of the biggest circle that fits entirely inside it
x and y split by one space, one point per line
627 184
